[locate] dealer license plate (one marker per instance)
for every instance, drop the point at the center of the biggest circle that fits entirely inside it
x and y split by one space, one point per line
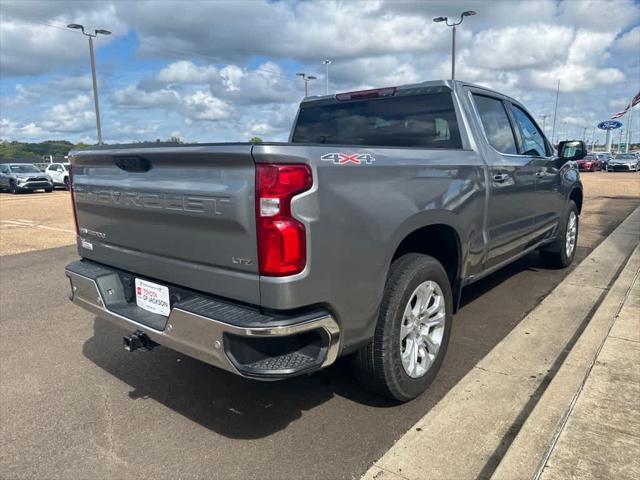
152 297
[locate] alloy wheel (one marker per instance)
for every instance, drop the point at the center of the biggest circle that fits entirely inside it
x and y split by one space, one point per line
572 234
422 328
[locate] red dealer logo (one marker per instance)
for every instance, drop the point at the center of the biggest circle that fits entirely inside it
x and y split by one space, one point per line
346 158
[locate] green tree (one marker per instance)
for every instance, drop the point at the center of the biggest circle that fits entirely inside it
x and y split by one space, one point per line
255 140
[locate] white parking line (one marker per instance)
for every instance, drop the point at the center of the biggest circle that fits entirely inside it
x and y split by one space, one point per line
28 223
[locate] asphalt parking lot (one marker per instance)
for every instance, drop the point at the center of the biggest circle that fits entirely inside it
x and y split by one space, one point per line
74 405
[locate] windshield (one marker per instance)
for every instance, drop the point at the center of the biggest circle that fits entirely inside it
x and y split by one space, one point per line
65 166
404 121
24 169
625 156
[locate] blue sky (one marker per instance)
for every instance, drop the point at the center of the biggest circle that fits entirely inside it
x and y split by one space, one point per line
225 71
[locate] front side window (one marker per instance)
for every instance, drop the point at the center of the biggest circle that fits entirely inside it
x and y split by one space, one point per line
496 124
532 139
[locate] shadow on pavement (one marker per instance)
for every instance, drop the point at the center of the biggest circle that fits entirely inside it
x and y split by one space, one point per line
228 404
245 409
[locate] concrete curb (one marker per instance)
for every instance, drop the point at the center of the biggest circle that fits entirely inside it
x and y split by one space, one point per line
533 444
467 434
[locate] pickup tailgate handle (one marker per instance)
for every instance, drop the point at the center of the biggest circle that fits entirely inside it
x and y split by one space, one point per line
131 163
500 177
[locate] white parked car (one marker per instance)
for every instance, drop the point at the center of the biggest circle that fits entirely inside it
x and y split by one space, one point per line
59 172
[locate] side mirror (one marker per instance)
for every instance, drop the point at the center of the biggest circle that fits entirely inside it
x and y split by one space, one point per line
572 150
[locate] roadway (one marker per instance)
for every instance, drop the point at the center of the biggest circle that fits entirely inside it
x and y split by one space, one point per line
73 404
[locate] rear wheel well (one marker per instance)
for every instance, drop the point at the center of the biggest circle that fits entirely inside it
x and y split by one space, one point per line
438 241
576 196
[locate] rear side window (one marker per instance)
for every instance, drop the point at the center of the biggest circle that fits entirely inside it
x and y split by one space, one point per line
427 121
532 140
496 124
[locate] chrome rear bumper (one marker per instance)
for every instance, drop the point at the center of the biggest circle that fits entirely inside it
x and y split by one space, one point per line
209 339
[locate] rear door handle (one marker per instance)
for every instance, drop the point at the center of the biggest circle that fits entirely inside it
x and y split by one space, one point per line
500 177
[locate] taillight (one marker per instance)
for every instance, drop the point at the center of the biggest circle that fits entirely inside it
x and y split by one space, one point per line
73 198
282 246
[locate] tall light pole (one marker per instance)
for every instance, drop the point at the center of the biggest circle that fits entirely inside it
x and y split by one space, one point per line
96 103
468 13
306 78
555 113
544 124
326 63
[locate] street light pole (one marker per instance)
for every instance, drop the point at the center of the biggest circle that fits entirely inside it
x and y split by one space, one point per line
326 64
555 113
544 124
306 78
453 53
468 13
96 102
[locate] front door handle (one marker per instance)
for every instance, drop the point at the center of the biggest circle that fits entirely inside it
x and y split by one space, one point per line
500 177
541 174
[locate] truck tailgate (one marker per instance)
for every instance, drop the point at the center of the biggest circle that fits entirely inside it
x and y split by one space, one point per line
182 215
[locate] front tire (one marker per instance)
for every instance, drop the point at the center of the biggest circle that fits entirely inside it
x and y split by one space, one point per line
66 183
560 254
13 188
412 332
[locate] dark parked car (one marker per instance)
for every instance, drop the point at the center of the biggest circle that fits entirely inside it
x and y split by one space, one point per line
590 163
23 177
356 238
604 158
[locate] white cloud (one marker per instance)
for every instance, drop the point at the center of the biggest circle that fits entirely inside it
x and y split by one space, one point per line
35 39
599 15
134 97
532 46
630 40
73 116
186 72
590 47
203 106
575 77
217 87
10 129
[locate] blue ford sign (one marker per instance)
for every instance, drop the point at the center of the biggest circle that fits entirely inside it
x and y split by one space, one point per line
609 125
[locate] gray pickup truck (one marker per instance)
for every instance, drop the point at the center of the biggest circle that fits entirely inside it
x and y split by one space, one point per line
355 238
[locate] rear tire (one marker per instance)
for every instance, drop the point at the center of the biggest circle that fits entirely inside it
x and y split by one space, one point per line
48 190
412 332
561 253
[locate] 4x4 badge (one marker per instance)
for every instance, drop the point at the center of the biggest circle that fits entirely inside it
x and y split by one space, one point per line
346 158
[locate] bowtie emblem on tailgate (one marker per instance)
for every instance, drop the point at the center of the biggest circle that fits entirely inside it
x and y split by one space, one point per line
346 158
